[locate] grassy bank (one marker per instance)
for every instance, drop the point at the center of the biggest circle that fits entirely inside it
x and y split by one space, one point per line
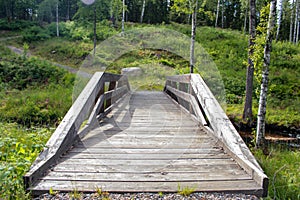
282 167
228 50
34 96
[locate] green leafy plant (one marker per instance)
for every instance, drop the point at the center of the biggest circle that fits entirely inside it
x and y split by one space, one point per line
75 194
185 191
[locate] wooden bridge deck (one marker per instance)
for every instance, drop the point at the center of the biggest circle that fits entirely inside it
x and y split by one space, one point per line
147 143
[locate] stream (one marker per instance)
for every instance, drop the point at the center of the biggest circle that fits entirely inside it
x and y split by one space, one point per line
274 137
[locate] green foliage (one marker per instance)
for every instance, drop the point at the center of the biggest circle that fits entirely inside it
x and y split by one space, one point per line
282 167
41 91
185 191
18 149
21 73
75 194
60 50
229 51
15 24
35 33
36 106
260 42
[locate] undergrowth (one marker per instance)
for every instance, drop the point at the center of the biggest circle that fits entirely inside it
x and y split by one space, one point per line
282 166
18 149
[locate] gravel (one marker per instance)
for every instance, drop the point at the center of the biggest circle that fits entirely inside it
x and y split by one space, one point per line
146 196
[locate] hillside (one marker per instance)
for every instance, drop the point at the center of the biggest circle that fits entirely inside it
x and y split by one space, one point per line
227 48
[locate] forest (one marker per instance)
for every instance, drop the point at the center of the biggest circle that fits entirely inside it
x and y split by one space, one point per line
38 37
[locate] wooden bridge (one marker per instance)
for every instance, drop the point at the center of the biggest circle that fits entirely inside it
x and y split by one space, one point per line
124 141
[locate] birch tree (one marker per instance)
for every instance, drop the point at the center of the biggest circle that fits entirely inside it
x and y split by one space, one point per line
279 17
123 17
189 7
143 11
245 8
260 131
217 14
223 11
247 114
57 22
291 22
296 20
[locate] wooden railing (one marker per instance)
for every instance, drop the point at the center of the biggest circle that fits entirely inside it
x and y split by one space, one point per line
94 102
191 92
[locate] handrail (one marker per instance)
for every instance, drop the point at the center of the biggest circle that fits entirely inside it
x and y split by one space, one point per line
92 102
220 126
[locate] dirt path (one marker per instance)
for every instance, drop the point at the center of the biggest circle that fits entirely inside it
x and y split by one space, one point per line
68 68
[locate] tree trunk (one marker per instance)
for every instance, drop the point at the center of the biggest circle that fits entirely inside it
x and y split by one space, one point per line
291 22
279 19
123 17
247 114
57 22
68 11
217 14
189 15
296 20
143 11
223 10
95 29
192 47
260 132
298 30
245 20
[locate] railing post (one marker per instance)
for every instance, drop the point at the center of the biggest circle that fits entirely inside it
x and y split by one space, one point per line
111 87
101 92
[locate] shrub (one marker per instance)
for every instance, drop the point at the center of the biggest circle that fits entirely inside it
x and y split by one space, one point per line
35 33
15 24
18 149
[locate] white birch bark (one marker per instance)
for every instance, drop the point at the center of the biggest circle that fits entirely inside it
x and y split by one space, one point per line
143 11
260 131
123 17
57 22
279 19
217 14
95 29
296 20
192 47
223 10
291 22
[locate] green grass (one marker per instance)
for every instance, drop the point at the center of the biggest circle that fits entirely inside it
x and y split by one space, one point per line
63 51
19 148
228 50
282 167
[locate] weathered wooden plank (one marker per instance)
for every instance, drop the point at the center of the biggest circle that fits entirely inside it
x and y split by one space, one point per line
149 135
229 168
145 177
153 140
136 145
140 156
241 186
127 163
150 151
